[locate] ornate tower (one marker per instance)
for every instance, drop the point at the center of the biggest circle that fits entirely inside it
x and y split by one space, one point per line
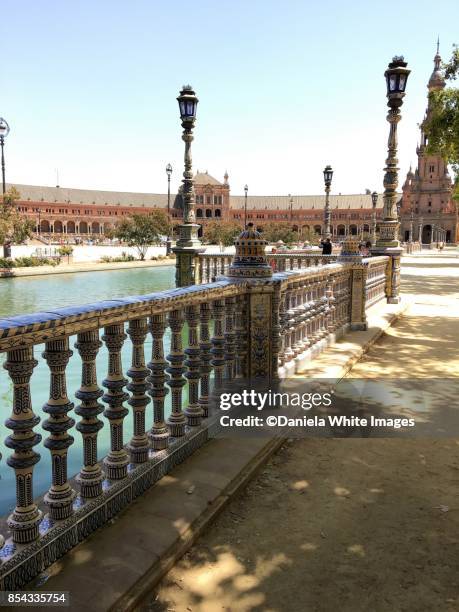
428 191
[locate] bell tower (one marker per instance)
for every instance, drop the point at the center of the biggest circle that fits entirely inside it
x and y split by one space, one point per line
427 192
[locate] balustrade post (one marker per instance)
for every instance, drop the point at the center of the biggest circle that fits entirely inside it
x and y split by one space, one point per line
159 433
205 358
194 411
26 517
117 460
60 496
289 324
176 382
91 476
218 344
138 373
393 279
276 333
230 338
241 330
331 321
358 297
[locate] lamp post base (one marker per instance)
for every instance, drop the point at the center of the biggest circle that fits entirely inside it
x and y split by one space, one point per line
186 249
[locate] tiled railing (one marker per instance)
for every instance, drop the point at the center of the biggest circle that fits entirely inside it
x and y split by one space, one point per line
201 338
315 309
377 269
211 265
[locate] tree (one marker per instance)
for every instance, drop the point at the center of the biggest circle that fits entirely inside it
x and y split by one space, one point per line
224 232
442 123
273 232
65 250
141 231
14 227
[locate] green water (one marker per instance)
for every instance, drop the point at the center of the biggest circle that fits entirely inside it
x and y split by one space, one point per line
43 293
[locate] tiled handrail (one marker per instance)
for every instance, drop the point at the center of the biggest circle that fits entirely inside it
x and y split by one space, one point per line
376 279
75 507
233 329
211 265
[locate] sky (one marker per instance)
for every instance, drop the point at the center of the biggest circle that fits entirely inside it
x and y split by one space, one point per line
89 89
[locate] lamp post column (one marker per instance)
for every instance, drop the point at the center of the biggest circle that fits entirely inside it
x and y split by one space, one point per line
411 226
328 176
246 190
374 201
188 245
4 131
168 240
387 243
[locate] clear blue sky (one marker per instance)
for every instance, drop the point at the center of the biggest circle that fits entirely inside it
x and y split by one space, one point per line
285 88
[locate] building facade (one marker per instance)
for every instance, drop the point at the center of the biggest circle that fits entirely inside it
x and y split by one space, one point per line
74 214
428 210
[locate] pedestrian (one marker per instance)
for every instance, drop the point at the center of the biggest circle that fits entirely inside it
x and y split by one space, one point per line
326 246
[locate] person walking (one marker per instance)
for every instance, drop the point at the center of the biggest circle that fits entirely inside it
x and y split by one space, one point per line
326 246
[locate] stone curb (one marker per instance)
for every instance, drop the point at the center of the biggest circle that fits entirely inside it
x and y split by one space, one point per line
143 586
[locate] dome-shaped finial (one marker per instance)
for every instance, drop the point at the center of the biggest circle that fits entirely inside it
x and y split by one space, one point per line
250 259
436 80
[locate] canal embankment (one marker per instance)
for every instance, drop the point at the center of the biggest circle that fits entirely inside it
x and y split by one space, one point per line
88 266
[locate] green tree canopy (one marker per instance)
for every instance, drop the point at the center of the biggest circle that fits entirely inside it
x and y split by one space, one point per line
273 232
442 124
224 232
141 231
14 227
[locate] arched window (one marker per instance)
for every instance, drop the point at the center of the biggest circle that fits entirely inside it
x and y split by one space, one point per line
199 213
208 212
218 212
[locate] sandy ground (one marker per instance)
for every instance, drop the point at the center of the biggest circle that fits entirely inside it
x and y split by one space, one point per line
346 525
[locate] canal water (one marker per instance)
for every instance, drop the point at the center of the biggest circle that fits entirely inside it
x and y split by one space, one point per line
32 294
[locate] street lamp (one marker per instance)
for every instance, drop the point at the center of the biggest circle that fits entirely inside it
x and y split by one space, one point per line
188 244
421 221
396 77
291 207
374 201
328 175
4 131
168 240
246 190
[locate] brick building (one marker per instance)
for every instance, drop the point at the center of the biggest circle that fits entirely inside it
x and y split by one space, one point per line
427 192
68 213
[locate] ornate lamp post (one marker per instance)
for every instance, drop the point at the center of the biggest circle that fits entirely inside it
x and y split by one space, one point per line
188 244
374 202
168 241
328 175
396 78
420 230
4 131
387 244
246 190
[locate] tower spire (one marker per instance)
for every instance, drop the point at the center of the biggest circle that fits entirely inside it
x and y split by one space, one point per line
436 80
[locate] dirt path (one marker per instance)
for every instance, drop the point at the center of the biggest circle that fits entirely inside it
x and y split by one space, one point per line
346 525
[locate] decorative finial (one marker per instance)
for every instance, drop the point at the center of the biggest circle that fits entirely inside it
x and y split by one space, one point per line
438 45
